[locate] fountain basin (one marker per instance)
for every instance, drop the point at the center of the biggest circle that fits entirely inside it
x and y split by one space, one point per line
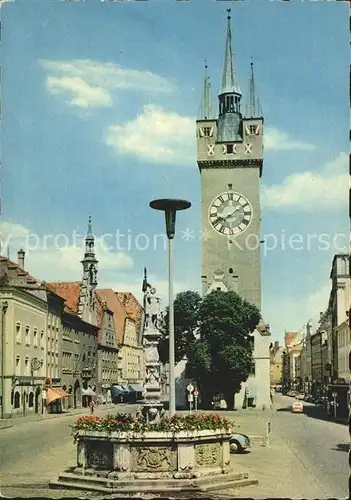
152 461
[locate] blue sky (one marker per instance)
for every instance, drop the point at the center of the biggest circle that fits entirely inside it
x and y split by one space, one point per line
99 108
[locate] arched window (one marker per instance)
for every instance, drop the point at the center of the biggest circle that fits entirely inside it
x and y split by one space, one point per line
31 400
35 337
18 366
27 339
17 399
18 333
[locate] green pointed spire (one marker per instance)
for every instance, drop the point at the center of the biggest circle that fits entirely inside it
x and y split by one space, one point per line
90 230
206 107
253 109
230 82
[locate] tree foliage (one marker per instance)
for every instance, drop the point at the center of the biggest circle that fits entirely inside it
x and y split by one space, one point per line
186 308
220 355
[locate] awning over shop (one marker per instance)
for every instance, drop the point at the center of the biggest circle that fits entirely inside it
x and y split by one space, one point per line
136 388
125 388
117 390
88 392
53 393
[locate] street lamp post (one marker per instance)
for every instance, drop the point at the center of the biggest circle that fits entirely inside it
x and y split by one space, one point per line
170 208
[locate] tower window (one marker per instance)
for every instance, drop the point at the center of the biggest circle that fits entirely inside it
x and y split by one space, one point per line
231 148
230 186
252 129
218 288
230 270
208 131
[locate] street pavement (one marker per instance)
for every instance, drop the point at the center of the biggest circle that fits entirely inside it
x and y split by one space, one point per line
306 456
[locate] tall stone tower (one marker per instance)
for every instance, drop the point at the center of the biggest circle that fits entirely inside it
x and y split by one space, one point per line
87 299
230 160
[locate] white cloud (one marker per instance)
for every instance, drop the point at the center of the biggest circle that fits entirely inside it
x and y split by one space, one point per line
277 140
57 258
84 95
156 136
92 82
311 190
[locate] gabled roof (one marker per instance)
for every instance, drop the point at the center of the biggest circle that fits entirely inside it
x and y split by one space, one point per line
119 312
132 306
102 308
9 269
70 291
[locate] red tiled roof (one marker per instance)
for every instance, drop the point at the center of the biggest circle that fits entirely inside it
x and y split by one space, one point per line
119 312
7 264
132 306
70 291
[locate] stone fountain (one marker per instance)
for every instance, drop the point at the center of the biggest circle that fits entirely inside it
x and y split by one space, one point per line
152 462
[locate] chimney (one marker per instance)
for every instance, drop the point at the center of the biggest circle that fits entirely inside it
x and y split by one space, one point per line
20 258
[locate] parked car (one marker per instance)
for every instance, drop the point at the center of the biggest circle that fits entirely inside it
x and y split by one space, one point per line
239 443
297 407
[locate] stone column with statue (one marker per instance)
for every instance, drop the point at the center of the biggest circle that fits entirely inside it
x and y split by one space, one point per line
152 409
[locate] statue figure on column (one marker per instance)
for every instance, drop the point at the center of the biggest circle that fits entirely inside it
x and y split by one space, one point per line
152 305
152 407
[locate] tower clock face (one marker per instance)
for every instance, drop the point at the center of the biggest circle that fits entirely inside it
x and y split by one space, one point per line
230 213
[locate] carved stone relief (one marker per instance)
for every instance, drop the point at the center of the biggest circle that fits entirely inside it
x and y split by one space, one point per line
208 454
152 459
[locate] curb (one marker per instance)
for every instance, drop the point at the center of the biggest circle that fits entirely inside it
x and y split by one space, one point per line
12 421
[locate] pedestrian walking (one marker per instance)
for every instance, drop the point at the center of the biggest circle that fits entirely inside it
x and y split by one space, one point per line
92 406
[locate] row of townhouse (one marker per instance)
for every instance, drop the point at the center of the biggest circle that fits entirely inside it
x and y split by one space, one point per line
318 362
63 343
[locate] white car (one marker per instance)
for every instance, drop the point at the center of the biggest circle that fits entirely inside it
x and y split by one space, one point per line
297 407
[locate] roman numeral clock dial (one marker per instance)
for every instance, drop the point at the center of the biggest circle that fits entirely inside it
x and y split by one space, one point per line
230 213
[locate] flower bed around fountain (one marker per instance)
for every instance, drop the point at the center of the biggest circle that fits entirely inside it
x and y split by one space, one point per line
127 454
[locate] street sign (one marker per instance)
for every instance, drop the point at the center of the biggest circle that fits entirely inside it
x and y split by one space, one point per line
190 388
196 393
190 398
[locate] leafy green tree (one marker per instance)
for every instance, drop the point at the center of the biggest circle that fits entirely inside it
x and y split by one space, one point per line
186 309
221 358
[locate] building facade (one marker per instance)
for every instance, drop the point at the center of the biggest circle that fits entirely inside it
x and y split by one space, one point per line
339 305
276 364
128 318
343 336
23 339
108 352
230 159
89 350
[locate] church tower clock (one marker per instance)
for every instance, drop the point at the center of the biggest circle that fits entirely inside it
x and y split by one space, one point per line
230 158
